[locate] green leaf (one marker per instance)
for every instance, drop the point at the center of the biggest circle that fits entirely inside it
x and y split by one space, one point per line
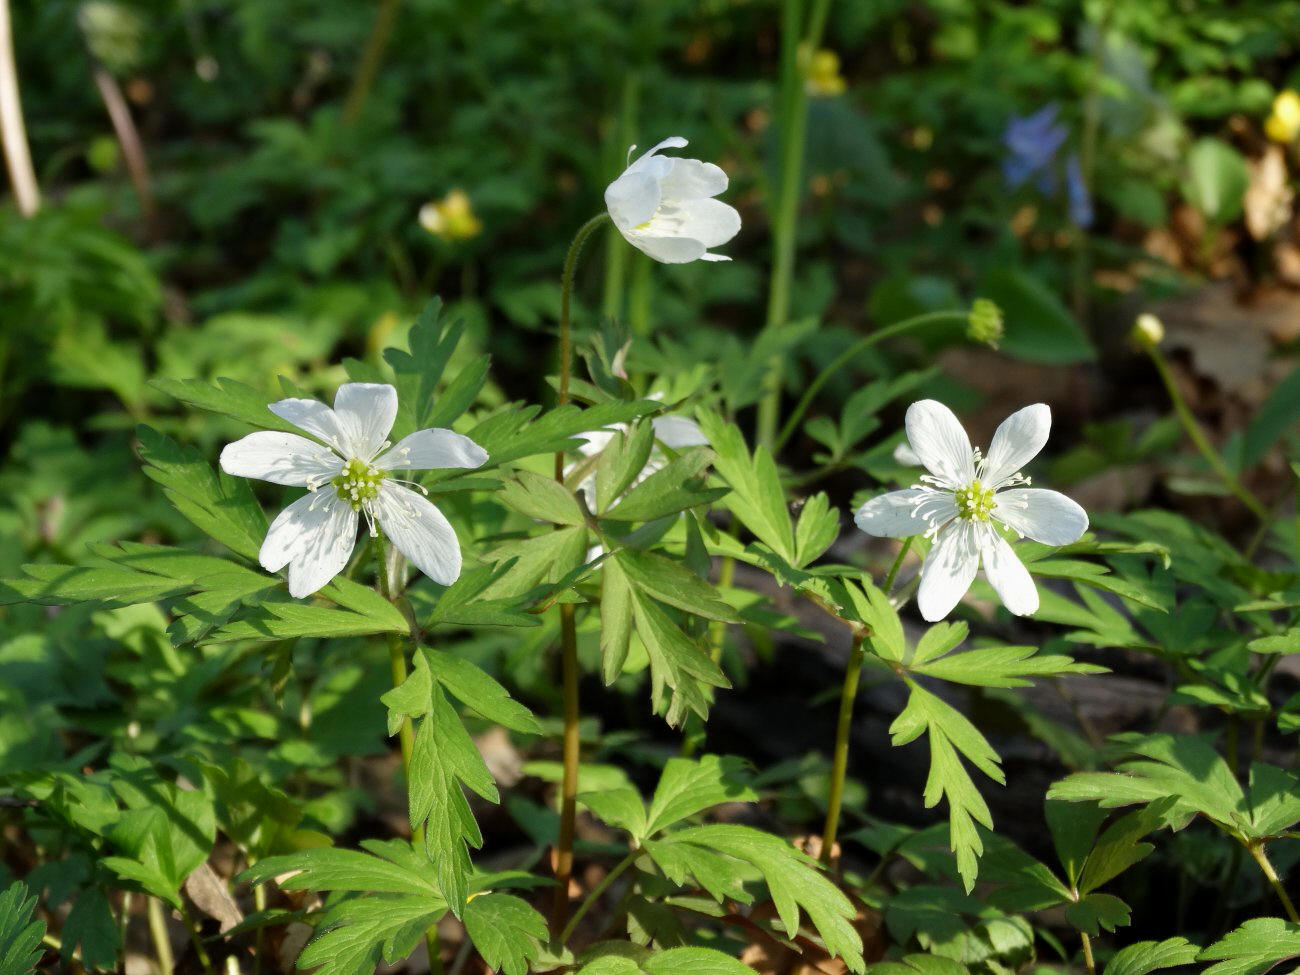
1149 956
816 530
354 935
668 490
949 733
227 397
687 787
621 462
507 932
327 868
756 497
541 497
1038 327
220 506
1270 421
1096 911
621 808
470 685
91 928
1118 848
1253 948
873 606
418 371
1216 181
546 557
515 431
693 961
1074 828
615 619
1001 666
411 698
672 583
792 880
282 621
676 661
463 601
20 931
459 394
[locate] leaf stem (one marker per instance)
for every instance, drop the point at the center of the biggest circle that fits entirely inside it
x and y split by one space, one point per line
1256 850
1198 437
849 354
840 760
596 893
196 939
162 945
1087 953
568 626
898 564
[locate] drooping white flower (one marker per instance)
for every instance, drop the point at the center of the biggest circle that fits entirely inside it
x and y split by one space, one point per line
965 499
663 205
349 477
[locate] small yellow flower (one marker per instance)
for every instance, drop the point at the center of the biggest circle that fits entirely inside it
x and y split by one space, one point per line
822 73
1284 124
451 218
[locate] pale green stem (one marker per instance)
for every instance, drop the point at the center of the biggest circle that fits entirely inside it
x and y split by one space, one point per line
638 295
1198 437
840 759
162 945
617 250
595 895
568 626
898 564
13 132
371 56
852 352
1087 953
1256 851
196 939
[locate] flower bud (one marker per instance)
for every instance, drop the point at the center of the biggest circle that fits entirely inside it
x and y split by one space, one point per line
985 323
1148 331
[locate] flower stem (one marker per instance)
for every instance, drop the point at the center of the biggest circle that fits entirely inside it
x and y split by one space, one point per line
13 132
162 945
1198 437
595 895
898 564
852 352
840 761
1087 953
371 56
568 626
406 733
1256 850
196 939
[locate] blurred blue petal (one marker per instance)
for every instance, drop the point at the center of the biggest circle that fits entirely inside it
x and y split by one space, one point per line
1032 142
1077 191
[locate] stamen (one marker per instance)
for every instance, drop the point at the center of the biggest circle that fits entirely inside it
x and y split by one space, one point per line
358 484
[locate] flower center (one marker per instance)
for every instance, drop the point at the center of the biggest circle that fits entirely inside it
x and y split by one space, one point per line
358 483
974 502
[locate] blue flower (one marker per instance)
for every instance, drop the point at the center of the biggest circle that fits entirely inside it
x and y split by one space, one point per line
1032 142
1077 192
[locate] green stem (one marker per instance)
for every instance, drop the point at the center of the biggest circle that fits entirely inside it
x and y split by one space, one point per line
840 761
898 564
568 625
617 250
638 295
372 54
595 895
794 118
1087 954
162 945
1197 436
1256 851
196 939
849 354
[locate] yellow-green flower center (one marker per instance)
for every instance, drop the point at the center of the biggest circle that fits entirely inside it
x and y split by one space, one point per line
974 502
358 483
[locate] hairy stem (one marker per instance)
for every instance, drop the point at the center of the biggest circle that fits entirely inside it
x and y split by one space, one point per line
1087 953
898 564
568 626
1198 437
1256 851
840 760
595 895
852 352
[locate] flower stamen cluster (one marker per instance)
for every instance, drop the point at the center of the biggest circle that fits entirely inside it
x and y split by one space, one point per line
358 485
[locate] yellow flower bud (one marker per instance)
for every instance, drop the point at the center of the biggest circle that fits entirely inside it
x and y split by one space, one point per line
1148 330
822 74
1284 124
451 218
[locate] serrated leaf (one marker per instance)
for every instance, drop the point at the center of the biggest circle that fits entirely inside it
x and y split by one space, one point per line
1093 912
615 620
20 931
1149 956
282 621
676 661
620 807
507 932
516 431
687 787
541 497
431 343
91 929
459 394
327 868
672 583
1253 948
227 397
621 463
1074 827
1118 847
1000 666
817 528
693 961
873 607
668 490
354 935
470 685
411 698
756 498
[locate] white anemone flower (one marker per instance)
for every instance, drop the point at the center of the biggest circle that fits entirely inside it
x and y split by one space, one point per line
664 206
963 502
349 477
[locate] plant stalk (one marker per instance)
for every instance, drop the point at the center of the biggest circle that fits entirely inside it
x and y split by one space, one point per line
595 895
1256 851
18 157
128 136
1198 437
568 625
162 945
1087 953
852 352
371 56
840 760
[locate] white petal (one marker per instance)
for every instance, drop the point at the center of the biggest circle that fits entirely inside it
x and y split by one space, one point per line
1017 441
905 455
900 514
632 199
691 179
678 432
1007 574
313 536
650 158
427 450
281 458
314 417
948 570
366 412
940 442
1045 516
594 441
668 250
714 257
711 222
419 531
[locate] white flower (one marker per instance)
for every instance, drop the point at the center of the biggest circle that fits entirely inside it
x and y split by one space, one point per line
964 499
663 205
315 535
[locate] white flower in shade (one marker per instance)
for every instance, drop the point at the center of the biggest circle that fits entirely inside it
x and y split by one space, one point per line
963 502
350 477
664 206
